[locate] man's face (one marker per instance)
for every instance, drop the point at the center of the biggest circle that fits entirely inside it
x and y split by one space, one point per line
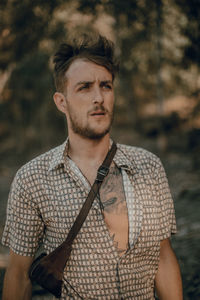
89 99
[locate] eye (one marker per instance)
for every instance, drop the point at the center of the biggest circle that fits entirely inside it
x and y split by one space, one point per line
107 87
83 87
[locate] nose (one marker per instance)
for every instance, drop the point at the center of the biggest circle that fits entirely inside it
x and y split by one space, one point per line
97 96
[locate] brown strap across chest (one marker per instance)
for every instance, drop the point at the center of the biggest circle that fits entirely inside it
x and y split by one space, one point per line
101 174
47 270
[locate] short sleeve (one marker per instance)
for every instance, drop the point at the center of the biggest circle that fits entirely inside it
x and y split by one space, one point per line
24 227
167 212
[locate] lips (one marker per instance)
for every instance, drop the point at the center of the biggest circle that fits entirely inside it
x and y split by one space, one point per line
98 113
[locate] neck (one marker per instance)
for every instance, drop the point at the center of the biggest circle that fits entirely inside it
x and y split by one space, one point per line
87 149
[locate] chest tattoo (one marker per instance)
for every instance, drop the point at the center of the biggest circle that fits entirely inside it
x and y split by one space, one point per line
112 193
115 212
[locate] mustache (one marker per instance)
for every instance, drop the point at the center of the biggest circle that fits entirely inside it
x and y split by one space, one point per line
98 108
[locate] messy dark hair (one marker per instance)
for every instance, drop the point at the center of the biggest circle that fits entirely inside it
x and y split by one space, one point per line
93 47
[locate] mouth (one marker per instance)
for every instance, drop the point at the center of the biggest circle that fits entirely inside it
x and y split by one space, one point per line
98 113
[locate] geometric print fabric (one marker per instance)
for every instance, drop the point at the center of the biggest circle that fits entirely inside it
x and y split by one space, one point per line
45 198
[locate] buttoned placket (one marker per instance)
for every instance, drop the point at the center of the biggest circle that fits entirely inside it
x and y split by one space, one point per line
131 201
81 180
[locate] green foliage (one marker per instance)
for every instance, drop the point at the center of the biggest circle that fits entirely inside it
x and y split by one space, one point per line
31 31
26 105
191 10
30 83
24 24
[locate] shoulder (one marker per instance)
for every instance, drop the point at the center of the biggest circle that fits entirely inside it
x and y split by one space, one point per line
38 166
140 158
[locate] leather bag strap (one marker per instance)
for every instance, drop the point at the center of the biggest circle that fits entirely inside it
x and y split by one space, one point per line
101 174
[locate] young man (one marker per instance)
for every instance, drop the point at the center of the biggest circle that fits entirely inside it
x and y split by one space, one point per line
123 249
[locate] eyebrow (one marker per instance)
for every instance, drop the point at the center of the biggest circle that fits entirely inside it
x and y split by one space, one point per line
91 82
106 82
83 82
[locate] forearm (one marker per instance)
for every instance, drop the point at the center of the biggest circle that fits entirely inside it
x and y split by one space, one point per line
16 286
168 278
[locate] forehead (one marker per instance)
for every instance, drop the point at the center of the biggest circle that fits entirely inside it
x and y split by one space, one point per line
85 70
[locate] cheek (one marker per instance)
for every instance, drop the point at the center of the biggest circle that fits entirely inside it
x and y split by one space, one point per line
110 96
78 111
110 101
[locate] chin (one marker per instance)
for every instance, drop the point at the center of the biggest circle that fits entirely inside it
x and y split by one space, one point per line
95 134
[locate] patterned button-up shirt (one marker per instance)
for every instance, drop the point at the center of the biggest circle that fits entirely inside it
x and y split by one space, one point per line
45 198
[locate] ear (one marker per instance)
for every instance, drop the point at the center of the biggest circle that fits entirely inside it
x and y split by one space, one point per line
60 102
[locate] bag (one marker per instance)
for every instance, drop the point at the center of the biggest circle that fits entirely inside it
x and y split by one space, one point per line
47 270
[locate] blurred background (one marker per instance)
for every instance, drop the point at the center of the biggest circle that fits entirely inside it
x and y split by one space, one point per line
157 95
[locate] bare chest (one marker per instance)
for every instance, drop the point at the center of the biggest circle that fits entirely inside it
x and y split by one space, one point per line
115 209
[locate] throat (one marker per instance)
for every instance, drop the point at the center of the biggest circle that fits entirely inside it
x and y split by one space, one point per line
88 158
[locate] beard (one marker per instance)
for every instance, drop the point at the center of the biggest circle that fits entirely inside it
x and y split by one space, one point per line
86 131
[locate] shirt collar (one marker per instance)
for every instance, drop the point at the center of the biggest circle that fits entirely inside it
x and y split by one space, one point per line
59 154
121 158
